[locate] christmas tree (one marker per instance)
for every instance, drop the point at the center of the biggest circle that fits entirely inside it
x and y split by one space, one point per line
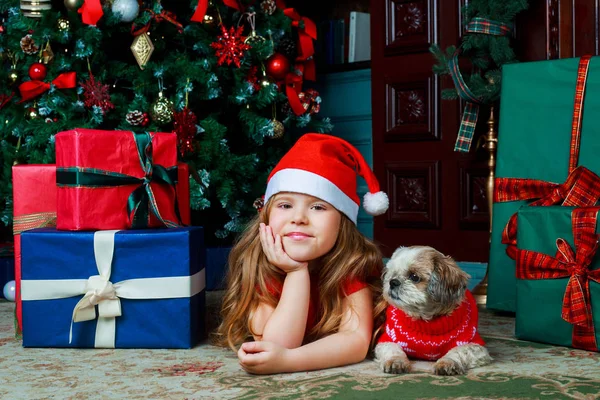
227 76
487 46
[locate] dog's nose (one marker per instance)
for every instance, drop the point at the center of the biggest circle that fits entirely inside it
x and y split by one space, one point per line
394 283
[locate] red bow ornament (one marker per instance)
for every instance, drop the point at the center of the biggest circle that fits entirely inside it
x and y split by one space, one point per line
32 89
307 32
91 12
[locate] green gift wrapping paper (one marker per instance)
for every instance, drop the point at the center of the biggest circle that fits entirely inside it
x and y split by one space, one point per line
536 111
539 301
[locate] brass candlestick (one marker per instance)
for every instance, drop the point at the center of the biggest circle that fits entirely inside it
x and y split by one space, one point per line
491 142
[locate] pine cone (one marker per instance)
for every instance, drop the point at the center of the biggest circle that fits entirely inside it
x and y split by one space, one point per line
268 6
287 47
28 45
137 118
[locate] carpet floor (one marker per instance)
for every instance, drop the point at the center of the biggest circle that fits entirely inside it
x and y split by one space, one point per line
521 370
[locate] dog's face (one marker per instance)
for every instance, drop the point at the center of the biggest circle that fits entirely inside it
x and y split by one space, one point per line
423 282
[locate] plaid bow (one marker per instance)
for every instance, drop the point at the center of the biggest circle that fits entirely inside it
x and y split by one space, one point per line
576 307
582 188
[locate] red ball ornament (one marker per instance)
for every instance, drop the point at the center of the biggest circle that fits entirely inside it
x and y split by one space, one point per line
37 71
277 66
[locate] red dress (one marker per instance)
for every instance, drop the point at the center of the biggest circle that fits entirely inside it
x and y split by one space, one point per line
431 340
348 287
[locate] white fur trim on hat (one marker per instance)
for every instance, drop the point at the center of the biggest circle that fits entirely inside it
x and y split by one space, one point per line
301 181
376 203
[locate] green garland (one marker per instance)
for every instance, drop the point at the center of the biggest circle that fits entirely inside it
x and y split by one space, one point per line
487 45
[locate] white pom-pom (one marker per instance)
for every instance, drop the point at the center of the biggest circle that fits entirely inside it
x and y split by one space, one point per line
128 9
376 203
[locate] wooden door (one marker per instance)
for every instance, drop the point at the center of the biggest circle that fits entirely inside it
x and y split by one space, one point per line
437 196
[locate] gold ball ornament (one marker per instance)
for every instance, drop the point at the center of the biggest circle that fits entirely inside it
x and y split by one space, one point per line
278 129
254 38
161 110
73 5
63 24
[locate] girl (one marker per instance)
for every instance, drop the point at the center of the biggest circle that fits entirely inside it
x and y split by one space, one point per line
301 278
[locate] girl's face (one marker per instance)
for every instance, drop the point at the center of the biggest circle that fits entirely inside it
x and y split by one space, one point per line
308 226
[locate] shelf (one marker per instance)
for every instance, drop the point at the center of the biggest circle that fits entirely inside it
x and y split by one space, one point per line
328 69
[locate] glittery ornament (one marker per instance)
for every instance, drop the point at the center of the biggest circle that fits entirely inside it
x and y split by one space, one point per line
47 54
32 113
277 66
142 48
278 129
37 71
63 24
311 101
96 94
127 9
137 118
161 110
254 38
28 45
268 6
185 128
230 46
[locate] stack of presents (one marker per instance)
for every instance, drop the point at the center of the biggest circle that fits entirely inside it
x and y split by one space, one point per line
104 255
544 260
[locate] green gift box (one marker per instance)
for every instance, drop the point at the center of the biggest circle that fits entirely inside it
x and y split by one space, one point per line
540 301
534 137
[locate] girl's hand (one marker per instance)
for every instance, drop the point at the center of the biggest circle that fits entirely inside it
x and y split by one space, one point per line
275 253
263 358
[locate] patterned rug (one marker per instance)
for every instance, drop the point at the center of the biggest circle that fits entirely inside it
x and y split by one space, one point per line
521 370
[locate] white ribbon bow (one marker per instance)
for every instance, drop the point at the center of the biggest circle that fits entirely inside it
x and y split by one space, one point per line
99 290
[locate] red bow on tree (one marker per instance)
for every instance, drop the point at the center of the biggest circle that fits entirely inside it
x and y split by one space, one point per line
32 89
162 16
307 32
91 12
576 308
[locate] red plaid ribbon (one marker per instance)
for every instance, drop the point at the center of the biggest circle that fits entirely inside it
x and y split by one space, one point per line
582 187
576 308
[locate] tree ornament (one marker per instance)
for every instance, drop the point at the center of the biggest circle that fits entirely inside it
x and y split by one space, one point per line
311 101
37 71
277 66
63 24
230 46
278 129
161 111
137 118
128 9
259 203
73 5
28 45
287 47
253 38
142 49
34 8
268 6
96 94
47 54
185 128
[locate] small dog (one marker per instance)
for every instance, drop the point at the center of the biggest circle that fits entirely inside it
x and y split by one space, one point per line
430 315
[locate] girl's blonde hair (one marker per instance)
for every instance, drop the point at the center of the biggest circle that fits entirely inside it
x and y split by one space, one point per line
250 280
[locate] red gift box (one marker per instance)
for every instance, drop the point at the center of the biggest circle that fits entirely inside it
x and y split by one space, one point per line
34 206
119 180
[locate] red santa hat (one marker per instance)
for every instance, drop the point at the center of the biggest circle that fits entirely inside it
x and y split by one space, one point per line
326 166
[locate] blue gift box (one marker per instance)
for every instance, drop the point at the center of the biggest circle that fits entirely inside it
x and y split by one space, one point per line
69 258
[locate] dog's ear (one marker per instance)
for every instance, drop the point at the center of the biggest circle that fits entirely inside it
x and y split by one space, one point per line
448 282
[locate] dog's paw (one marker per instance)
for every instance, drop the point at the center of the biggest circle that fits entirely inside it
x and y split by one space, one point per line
396 365
445 366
